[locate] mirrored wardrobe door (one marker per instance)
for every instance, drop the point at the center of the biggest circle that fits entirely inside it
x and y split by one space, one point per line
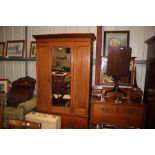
61 76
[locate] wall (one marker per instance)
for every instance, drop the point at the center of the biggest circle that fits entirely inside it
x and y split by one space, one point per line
14 70
9 69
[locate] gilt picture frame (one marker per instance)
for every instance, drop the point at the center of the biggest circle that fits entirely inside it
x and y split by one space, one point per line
15 48
4 85
2 49
32 53
115 38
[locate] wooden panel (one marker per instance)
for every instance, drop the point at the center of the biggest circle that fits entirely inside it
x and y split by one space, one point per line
98 54
81 77
43 77
104 109
74 122
130 110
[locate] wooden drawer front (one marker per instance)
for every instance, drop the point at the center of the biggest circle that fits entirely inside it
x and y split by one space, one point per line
99 119
104 109
107 119
132 111
132 122
118 121
74 122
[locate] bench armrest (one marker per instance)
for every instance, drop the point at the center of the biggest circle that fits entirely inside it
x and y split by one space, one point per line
25 107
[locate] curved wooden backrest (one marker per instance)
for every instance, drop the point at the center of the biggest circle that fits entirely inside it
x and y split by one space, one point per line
23 124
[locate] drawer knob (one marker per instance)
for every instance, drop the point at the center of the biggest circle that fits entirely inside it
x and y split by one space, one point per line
105 109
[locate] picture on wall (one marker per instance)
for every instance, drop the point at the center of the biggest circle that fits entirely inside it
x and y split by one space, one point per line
4 85
33 49
15 48
115 38
1 49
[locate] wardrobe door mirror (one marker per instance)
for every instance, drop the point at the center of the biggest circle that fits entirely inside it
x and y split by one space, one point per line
61 76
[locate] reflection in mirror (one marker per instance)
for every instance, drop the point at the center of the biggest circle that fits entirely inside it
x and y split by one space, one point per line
61 80
108 80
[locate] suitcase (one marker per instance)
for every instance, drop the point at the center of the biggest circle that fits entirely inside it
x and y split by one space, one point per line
47 121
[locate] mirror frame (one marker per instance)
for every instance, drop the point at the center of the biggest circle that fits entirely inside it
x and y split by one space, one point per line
107 80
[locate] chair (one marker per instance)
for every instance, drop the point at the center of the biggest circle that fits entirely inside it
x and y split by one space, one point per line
23 124
20 100
18 112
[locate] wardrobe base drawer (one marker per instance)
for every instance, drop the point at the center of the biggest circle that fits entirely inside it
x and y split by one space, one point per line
74 122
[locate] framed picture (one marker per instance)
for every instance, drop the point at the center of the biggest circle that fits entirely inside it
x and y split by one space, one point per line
15 48
115 38
33 49
4 85
1 49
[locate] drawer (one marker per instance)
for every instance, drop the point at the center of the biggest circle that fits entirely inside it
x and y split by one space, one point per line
69 122
104 109
132 122
118 121
107 119
131 111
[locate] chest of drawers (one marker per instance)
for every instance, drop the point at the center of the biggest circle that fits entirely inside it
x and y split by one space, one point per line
124 115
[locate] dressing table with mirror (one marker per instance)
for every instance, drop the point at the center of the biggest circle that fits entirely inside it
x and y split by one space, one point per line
122 109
